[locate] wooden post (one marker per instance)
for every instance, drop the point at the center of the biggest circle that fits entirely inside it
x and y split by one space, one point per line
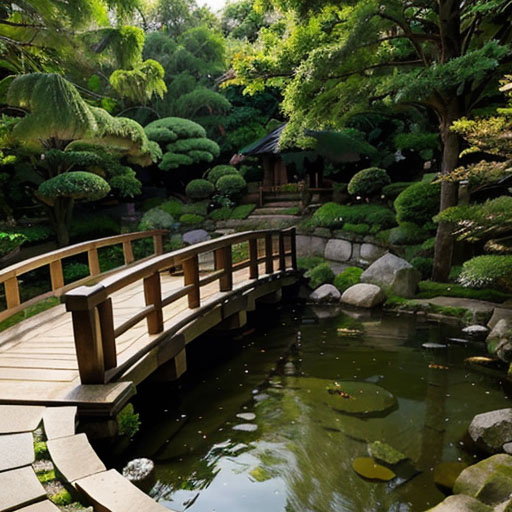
56 275
153 296
89 349
94 263
269 254
191 274
108 339
282 254
253 261
293 247
224 261
12 292
128 252
158 244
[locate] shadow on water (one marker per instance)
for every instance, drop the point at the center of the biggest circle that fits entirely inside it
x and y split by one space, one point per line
272 421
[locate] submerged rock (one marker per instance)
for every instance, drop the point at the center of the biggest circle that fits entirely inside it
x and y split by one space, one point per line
384 452
246 416
460 503
394 275
491 430
475 331
363 296
246 427
433 345
141 472
446 473
368 468
325 293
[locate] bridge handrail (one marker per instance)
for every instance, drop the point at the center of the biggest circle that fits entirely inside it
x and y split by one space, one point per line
9 275
91 306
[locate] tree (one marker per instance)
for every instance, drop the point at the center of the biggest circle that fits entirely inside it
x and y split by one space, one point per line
76 150
334 58
240 20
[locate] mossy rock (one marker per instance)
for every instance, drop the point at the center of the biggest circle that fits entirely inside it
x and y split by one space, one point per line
368 468
497 487
349 397
446 473
385 453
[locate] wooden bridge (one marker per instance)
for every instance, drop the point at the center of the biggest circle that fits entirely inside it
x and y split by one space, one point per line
114 330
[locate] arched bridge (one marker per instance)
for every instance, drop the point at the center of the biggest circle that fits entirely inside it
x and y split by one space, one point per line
112 330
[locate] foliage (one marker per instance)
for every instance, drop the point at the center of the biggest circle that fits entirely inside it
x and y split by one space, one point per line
173 207
152 202
319 275
74 185
308 262
156 218
242 211
422 142
241 21
191 219
231 186
61 498
36 233
10 241
41 450
423 264
358 229
75 271
199 189
349 277
176 242
220 170
430 289
418 203
35 309
223 213
487 271
368 182
407 233
128 422
197 207
93 226
394 189
479 174
334 215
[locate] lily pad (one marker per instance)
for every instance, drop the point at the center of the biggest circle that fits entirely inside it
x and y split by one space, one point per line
349 397
446 473
368 468
385 453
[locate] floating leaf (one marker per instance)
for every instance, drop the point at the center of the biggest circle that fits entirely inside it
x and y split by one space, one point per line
385 453
368 468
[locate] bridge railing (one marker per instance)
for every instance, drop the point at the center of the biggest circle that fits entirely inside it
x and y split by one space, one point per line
92 311
10 276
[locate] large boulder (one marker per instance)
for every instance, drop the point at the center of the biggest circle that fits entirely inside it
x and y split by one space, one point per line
499 340
491 430
325 293
394 275
363 296
338 250
368 253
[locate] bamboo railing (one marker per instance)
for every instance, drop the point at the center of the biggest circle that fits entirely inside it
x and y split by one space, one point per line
91 306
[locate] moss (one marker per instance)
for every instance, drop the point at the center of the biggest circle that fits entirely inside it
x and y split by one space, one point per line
197 207
243 211
46 476
41 450
334 215
294 210
358 229
430 289
347 278
62 498
319 275
308 262
28 312
191 219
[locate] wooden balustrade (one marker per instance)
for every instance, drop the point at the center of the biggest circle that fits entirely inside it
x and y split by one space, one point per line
91 306
10 275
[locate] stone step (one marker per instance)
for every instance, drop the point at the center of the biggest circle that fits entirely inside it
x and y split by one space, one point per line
266 217
16 418
271 211
41 506
111 492
16 450
279 204
19 487
59 422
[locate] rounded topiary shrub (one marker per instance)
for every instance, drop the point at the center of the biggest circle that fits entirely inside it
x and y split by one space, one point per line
349 277
231 185
191 219
418 203
319 275
156 219
75 185
199 189
220 170
407 233
368 182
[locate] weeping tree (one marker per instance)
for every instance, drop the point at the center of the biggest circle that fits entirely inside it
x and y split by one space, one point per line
78 152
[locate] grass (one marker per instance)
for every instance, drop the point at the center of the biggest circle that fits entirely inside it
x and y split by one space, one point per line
430 289
29 312
394 302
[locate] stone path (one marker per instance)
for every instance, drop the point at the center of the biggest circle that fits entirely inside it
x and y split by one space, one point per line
82 471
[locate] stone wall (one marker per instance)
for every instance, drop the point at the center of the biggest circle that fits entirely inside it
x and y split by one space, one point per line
338 247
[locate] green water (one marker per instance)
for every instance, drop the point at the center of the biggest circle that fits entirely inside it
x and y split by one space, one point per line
252 428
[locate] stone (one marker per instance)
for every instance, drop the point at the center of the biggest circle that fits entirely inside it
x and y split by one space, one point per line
363 296
497 487
110 491
246 416
384 452
433 346
196 236
325 293
491 430
393 274
507 448
310 245
368 468
499 314
368 253
141 473
20 487
42 506
460 503
74 457
446 473
246 427
473 477
19 418
59 421
499 340
338 250
475 330
506 506
16 450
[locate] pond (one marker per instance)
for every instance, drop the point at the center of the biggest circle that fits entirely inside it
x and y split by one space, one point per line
272 421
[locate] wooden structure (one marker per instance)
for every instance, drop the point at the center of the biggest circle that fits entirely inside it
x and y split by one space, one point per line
136 322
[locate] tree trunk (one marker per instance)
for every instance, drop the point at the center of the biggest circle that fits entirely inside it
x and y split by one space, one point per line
60 216
443 250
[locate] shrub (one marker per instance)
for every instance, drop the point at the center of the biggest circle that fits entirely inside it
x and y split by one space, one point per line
198 208
128 422
110 257
199 189
334 215
418 203
231 185
156 219
152 202
35 234
94 226
393 189
172 207
191 219
407 233
10 241
487 271
75 271
359 229
223 213
349 277
220 170
243 211
319 275
308 262
176 242
424 265
75 185
368 182
330 215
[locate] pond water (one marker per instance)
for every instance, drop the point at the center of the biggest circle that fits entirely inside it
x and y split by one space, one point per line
253 427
